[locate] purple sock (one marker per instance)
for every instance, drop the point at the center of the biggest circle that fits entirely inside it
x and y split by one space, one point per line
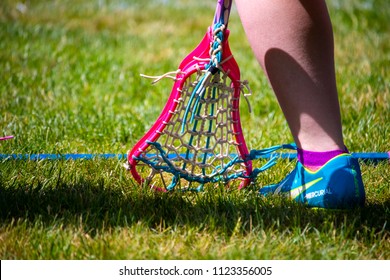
315 160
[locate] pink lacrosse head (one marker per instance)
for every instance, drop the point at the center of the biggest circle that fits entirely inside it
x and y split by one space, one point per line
209 147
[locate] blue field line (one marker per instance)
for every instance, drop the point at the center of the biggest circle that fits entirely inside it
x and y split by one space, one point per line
369 156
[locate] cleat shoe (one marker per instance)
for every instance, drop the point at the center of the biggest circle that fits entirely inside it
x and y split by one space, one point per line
336 185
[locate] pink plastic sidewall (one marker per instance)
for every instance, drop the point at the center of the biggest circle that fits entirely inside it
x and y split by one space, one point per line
234 75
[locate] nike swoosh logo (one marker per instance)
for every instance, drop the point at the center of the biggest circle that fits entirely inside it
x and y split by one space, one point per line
294 193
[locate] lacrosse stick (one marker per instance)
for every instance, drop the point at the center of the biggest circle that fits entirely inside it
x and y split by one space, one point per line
6 137
198 137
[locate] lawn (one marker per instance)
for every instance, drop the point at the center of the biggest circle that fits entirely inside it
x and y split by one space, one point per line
70 83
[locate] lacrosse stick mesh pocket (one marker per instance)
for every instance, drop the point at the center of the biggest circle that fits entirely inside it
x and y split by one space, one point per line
202 148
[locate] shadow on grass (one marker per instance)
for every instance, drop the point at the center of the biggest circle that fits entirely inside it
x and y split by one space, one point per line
101 207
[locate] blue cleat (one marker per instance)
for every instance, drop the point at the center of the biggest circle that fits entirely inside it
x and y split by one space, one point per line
336 185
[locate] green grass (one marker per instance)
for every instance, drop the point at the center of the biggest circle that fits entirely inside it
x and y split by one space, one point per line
69 83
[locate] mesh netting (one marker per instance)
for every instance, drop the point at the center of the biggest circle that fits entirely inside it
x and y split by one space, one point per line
201 148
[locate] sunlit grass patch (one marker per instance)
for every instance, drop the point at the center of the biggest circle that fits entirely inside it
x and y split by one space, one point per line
70 84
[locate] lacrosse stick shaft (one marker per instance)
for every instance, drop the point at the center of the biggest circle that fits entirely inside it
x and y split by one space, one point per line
6 137
222 12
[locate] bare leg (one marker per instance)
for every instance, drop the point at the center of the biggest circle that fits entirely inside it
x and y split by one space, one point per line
293 42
